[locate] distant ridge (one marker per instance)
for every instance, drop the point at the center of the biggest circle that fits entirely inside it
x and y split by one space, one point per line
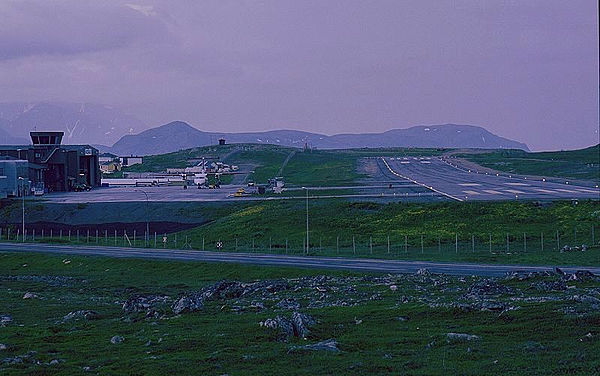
179 135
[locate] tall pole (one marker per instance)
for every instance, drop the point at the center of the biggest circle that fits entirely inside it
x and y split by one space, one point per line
307 238
23 200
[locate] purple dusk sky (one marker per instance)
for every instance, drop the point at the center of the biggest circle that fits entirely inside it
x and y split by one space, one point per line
524 69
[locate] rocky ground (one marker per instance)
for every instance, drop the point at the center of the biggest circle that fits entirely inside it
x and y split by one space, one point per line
45 315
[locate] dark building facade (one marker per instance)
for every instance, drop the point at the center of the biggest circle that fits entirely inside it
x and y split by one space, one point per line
59 167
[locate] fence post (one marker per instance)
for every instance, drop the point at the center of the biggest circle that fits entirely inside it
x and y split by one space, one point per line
405 243
115 237
507 243
270 240
490 243
524 242
422 250
33 234
134 236
106 236
439 245
77 235
456 243
154 239
42 234
371 244
286 245
50 233
557 240
176 241
388 243
337 244
69 235
96 236
88 235
473 243
542 240
353 245
60 234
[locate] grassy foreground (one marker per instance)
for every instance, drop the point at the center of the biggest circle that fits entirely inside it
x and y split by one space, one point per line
390 330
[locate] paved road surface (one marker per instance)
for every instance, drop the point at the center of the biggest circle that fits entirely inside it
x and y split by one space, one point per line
367 265
463 185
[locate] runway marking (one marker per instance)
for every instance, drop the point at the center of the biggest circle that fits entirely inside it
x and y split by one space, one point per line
565 190
588 190
544 190
426 162
492 192
405 162
469 185
472 193
518 184
514 191
416 182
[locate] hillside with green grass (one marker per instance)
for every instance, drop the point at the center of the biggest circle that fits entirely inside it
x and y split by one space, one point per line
583 164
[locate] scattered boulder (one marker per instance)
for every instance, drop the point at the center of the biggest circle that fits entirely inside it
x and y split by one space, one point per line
117 339
582 276
29 295
188 303
298 325
487 287
81 314
148 304
461 337
423 272
548 286
5 319
288 303
3 347
330 345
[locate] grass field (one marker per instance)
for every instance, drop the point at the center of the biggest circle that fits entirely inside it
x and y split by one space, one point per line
581 164
437 232
394 324
315 167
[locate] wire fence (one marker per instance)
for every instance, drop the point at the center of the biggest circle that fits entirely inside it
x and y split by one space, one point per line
360 245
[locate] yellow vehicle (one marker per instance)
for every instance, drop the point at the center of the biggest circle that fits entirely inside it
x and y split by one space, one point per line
240 192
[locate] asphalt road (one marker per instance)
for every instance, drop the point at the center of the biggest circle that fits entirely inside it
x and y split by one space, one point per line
366 265
467 185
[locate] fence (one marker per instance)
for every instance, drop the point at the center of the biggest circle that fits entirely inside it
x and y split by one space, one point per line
388 246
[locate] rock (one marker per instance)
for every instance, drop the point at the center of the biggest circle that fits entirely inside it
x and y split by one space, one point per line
393 287
5 319
582 276
288 303
523 276
54 362
461 337
487 287
559 271
81 314
117 339
423 272
301 323
559 285
29 295
402 318
3 347
327 345
145 303
188 303
297 326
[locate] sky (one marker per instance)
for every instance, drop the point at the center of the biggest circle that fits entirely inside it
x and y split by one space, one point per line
523 69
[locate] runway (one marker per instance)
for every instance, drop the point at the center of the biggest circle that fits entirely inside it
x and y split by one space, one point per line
467 185
333 263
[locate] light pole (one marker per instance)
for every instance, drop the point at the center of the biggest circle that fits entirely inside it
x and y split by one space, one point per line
307 238
147 216
23 197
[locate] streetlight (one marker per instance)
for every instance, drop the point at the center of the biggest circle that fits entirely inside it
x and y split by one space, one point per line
307 238
23 197
147 237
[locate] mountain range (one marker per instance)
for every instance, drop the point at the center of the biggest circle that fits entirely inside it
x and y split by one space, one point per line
83 123
100 125
179 135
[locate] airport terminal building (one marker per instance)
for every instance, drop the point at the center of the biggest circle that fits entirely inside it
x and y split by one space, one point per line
58 167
